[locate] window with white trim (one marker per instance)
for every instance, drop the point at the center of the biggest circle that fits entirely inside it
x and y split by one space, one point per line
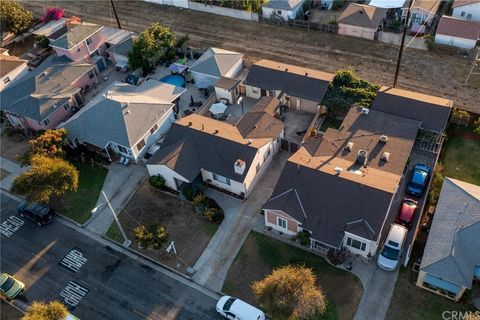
140 145
46 121
354 243
6 80
282 223
221 179
154 128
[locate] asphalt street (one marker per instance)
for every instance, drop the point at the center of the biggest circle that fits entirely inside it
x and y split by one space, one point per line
94 280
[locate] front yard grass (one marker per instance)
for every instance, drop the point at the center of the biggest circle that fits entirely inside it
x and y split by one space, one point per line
260 254
77 205
190 232
461 159
410 302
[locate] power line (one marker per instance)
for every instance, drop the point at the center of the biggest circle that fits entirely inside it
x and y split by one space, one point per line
400 52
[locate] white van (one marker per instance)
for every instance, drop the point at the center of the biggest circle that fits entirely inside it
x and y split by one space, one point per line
392 248
236 309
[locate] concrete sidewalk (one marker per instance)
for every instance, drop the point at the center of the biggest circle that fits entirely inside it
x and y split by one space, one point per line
119 186
14 169
212 266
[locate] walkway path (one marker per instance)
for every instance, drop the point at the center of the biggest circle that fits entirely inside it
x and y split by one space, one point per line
14 169
119 186
212 266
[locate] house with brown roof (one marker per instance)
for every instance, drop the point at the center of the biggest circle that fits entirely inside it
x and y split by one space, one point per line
11 69
466 9
362 21
340 187
458 32
232 158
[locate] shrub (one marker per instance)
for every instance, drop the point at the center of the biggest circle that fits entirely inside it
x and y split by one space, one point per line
199 200
188 192
151 235
157 181
214 215
42 41
476 126
436 184
303 238
52 14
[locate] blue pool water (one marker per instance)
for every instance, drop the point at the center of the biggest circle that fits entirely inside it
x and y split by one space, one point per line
175 80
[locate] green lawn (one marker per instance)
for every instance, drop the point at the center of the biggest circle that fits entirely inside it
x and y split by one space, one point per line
261 254
78 205
113 233
461 159
410 302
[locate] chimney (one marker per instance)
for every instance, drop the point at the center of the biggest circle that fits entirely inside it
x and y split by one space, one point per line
361 157
239 166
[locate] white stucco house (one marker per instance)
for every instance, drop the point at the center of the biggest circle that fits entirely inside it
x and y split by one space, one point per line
457 32
125 120
286 9
466 9
214 64
227 157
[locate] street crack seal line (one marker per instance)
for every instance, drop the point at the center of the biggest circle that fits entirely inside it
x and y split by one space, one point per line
74 260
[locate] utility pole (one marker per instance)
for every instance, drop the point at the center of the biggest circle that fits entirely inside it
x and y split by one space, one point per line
400 52
115 13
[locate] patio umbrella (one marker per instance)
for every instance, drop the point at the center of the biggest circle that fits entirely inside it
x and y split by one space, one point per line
218 108
177 67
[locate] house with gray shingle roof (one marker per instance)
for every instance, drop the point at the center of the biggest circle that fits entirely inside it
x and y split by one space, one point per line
214 64
47 95
451 259
125 120
362 21
286 9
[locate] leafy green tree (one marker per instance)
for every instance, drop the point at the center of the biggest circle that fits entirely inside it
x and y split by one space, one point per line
39 310
14 17
46 177
42 41
50 143
290 292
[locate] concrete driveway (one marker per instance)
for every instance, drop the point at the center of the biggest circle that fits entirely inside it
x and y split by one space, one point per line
212 266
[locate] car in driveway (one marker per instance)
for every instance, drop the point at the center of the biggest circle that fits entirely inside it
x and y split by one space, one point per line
10 287
406 215
235 309
418 180
37 212
392 247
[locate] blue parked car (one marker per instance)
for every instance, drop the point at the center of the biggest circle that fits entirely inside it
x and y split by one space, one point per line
418 180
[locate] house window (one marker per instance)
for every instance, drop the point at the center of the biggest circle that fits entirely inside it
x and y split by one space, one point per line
154 128
140 145
356 244
221 179
6 80
279 11
89 41
78 49
469 16
463 14
122 149
46 121
282 223
255 90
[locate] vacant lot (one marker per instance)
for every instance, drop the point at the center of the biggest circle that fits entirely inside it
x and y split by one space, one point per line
441 72
260 255
410 302
185 226
13 147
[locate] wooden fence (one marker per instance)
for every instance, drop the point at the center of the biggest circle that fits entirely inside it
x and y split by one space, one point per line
302 24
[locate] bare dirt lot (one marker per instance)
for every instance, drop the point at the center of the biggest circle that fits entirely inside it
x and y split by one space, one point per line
13 147
440 72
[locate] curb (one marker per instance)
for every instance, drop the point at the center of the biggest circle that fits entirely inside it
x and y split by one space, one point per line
22 307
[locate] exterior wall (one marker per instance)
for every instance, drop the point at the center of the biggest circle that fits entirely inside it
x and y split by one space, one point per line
285 14
59 115
225 94
237 67
355 31
85 80
463 12
234 187
14 75
271 220
233 13
420 280
370 246
176 3
303 105
252 92
200 77
118 59
455 42
167 173
417 18
83 51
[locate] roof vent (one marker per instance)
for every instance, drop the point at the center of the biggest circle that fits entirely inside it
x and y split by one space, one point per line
362 157
216 131
338 170
249 141
190 123
383 138
286 69
239 166
365 111
306 74
349 146
386 156
361 11
203 127
127 112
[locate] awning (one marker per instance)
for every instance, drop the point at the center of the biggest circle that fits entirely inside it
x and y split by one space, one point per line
177 67
218 108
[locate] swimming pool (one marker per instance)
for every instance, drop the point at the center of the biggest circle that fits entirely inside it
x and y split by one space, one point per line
175 80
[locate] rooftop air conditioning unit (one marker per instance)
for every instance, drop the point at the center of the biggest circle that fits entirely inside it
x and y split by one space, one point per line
349 146
383 138
362 157
365 111
386 156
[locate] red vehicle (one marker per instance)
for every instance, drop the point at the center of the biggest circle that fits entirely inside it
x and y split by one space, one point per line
407 213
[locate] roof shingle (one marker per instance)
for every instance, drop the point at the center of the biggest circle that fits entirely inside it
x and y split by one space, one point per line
459 28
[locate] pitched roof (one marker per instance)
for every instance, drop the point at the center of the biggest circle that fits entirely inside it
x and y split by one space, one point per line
461 3
362 15
51 27
426 5
360 196
390 4
459 28
453 246
288 5
76 35
9 63
123 47
227 83
261 124
293 80
195 142
432 111
267 104
40 92
123 113
216 62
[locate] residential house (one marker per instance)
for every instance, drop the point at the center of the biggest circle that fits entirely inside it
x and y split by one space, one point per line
362 21
466 9
284 9
458 32
11 69
214 64
53 29
422 13
227 89
229 157
397 8
297 87
47 95
451 258
340 187
118 53
125 120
